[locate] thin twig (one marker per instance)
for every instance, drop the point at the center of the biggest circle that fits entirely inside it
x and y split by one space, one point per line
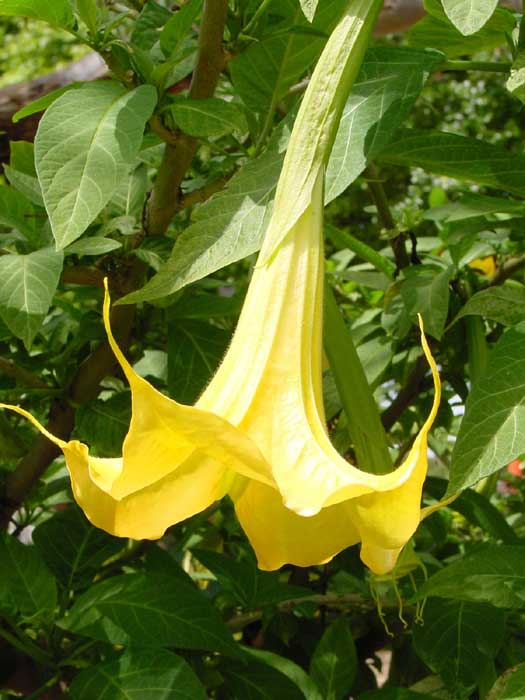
377 191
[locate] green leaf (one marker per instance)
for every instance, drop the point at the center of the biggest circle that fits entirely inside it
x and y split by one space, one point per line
309 7
43 102
128 198
437 32
85 142
27 286
333 666
290 669
516 82
504 304
139 675
238 577
477 509
469 16
195 349
231 225
147 27
510 686
88 12
103 424
57 12
264 72
392 694
209 118
459 157
427 292
491 574
492 432
28 186
22 157
457 639
96 245
473 206
178 26
150 611
16 211
26 582
72 548
386 88
253 680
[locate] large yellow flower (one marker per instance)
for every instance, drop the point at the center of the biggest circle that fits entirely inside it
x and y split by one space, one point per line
258 431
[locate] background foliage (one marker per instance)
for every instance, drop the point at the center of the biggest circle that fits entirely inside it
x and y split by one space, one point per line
425 194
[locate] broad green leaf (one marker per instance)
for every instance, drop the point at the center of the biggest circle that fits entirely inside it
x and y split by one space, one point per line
264 72
231 225
209 118
206 306
178 25
436 31
27 185
426 292
290 669
477 509
150 611
88 12
504 304
128 198
96 245
148 25
492 574
104 424
457 639
43 102
469 16
85 142
253 680
27 286
459 157
72 548
139 675
16 211
309 7
238 577
26 582
22 157
516 82
333 665
492 432
195 349
388 84
392 694
57 12
473 206
510 686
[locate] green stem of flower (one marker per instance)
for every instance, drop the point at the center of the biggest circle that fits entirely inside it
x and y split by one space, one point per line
343 239
477 347
364 423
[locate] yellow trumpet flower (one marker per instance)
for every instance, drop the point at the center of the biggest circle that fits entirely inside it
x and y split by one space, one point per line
258 431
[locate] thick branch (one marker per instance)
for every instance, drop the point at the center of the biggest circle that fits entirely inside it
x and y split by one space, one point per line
406 396
23 376
164 200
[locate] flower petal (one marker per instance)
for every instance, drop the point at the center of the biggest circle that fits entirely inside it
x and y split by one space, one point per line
387 520
147 513
279 536
163 434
